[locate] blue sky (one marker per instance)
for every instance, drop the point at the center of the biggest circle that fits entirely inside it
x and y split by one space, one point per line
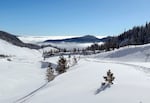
72 17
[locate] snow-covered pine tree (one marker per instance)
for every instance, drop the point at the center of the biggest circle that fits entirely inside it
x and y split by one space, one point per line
62 65
50 73
107 83
109 78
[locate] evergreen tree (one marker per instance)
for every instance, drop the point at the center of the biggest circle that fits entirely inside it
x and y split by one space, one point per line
62 65
138 35
109 78
50 73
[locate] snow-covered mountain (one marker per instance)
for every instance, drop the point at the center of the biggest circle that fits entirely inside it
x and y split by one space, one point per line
68 45
24 81
36 39
82 39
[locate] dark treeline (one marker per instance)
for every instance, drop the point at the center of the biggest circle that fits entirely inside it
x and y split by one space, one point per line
138 35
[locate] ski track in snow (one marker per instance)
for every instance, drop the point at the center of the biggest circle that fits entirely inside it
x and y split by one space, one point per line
31 94
28 96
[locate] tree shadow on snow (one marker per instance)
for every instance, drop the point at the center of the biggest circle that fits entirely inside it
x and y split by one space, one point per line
102 88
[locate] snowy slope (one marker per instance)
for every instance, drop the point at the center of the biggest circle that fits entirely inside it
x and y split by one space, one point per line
23 80
15 51
21 75
79 84
129 53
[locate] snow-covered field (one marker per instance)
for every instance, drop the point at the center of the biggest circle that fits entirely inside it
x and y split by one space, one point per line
23 79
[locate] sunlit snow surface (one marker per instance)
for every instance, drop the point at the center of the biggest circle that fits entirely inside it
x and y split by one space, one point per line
23 75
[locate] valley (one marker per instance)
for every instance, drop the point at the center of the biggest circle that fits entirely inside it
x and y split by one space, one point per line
24 81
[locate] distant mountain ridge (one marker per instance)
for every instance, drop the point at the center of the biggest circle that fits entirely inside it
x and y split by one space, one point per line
83 39
14 40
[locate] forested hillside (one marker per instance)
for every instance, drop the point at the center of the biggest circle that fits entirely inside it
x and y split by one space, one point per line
138 35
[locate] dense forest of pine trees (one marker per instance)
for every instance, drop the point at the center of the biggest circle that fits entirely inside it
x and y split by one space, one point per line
138 35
